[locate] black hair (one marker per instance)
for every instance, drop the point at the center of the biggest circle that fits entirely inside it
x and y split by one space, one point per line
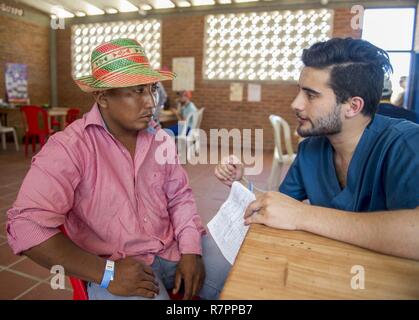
357 69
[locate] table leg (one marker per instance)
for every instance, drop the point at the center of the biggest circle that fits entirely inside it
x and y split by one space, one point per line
49 123
62 122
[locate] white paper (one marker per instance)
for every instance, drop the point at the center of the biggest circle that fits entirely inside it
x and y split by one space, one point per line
185 74
254 92
236 91
227 227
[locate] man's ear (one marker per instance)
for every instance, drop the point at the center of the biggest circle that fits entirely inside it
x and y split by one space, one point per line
101 98
354 106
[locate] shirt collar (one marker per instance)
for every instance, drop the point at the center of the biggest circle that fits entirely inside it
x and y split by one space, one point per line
94 118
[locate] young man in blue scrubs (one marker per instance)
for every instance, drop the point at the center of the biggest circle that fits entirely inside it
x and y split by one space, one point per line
353 161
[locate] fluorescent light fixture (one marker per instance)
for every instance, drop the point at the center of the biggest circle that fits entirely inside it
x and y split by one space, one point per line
91 10
243 1
203 2
61 13
80 13
163 4
145 6
224 1
111 10
126 6
183 4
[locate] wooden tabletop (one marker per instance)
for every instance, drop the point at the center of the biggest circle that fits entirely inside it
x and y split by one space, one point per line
166 116
57 111
279 264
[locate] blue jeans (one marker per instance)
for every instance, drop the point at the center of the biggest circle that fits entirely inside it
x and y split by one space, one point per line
216 271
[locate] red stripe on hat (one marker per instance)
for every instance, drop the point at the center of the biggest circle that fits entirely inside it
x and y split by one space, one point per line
129 80
137 58
99 73
107 47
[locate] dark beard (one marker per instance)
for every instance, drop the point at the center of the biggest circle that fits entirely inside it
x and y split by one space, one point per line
328 125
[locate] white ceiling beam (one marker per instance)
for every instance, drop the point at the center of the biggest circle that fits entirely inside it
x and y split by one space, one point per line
49 7
81 5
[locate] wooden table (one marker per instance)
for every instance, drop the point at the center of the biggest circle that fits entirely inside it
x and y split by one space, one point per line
59 113
4 113
12 117
167 116
278 264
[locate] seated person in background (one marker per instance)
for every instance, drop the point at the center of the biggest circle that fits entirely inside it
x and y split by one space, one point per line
385 107
184 109
399 99
161 98
359 170
122 208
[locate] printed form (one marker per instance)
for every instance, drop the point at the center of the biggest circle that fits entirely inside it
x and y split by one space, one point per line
227 227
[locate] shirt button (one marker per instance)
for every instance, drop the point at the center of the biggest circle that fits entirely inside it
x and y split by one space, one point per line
145 219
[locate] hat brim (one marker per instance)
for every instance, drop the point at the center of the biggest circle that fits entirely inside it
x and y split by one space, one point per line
134 76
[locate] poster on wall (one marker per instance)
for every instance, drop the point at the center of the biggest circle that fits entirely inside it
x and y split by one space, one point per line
254 92
185 74
16 83
236 91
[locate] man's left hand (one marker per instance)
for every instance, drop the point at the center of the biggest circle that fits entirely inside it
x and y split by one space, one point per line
191 269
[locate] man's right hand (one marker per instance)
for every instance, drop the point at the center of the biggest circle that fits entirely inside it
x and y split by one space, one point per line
230 170
133 278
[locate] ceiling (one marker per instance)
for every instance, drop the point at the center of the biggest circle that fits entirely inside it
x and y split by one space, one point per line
81 8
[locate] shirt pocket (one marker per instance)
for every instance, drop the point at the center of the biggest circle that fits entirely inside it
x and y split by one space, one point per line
157 180
153 192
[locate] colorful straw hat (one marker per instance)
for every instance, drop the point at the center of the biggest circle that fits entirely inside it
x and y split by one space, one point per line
120 63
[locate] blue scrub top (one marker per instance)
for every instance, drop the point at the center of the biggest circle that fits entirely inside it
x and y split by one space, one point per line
382 175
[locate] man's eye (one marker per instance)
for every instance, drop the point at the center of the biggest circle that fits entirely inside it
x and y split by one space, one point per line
310 96
154 87
139 90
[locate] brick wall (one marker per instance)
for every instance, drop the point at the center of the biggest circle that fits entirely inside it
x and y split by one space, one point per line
69 94
183 37
26 42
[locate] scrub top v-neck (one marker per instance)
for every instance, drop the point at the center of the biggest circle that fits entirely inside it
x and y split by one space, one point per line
383 173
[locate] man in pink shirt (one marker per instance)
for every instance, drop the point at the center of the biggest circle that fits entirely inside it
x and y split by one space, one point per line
132 220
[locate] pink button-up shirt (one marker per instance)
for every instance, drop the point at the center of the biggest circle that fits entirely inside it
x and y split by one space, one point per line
110 204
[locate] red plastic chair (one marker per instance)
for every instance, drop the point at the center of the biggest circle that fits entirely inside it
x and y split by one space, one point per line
33 130
54 122
72 115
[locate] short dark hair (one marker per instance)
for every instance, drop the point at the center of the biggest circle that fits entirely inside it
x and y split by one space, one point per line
357 69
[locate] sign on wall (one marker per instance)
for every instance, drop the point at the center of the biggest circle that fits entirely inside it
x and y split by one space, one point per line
254 92
10 9
236 91
185 74
16 77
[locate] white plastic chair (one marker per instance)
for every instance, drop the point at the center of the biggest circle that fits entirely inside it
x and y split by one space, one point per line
3 131
280 159
184 138
195 133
